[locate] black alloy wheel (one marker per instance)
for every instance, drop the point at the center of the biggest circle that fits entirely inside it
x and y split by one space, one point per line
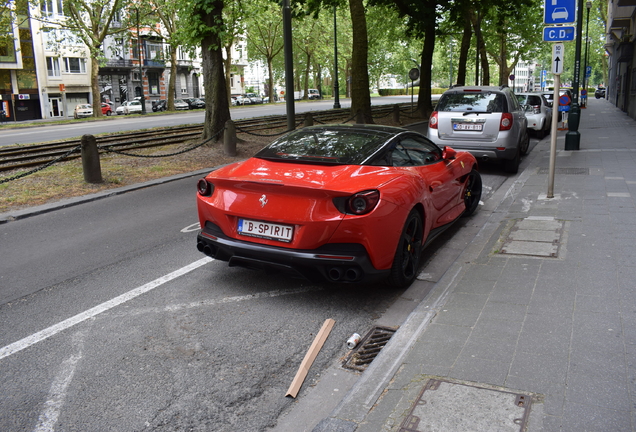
472 193
409 251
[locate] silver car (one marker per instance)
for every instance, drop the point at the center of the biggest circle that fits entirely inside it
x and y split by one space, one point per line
538 112
488 122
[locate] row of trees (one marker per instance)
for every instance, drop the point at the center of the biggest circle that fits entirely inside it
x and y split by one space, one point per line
376 38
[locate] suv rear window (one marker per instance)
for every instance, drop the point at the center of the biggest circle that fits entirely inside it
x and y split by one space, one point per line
477 101
529 99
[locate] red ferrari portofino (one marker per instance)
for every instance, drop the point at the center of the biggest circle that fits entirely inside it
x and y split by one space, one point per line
342 203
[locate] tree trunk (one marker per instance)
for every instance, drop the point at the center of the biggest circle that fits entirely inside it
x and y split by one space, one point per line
270 81
503 53
172 83
424 105
360 96
217 110
97 98
463 50
481 46
228 71
306 83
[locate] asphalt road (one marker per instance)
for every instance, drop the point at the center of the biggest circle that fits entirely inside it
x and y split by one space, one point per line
111 320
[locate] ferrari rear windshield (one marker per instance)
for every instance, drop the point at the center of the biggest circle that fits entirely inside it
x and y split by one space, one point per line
325 146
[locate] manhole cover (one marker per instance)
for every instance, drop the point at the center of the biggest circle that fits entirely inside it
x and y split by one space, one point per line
368 349
455 407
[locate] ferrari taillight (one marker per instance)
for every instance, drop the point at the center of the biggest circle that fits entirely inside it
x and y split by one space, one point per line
432 122
506 122
362 202
204 187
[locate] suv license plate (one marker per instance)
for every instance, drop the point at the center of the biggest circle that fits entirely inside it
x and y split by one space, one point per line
265 230
468 126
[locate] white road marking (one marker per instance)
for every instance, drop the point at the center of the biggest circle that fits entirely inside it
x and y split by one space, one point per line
193 227
90 313
57 393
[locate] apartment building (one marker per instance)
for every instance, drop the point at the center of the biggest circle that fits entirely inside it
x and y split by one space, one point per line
620 45
46 72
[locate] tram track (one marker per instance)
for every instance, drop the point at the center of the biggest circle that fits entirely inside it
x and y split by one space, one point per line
26 156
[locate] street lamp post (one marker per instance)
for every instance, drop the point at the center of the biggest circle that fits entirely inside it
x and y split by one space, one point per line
450 83
588 6
336 88
573 136
141 71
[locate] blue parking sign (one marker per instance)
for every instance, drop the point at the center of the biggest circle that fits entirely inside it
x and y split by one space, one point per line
559 11
559 34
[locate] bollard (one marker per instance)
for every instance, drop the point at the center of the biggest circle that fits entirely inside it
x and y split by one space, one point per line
309 119
90 160
396 113
359 117
229 139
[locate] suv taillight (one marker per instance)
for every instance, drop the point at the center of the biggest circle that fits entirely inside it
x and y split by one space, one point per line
432 122
537 109
506 122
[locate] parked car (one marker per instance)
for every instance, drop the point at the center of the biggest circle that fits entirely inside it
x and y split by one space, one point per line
195 103
129 107
159 105
240 100
180 104
488 122
254 98
106 109
342 203
537 111
599 93
82 111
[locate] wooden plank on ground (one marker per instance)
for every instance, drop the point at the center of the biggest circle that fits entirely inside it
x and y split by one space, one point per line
314 349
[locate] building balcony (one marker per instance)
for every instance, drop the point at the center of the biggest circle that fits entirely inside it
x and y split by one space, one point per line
155 63
120 63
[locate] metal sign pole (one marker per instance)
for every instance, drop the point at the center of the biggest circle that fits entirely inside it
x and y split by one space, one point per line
553 135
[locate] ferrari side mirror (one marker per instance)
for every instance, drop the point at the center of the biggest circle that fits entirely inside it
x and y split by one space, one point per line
449 153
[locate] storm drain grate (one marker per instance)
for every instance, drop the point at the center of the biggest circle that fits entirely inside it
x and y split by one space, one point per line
567 171
368 348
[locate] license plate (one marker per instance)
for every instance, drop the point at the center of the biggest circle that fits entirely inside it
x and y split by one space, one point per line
468 126
265 230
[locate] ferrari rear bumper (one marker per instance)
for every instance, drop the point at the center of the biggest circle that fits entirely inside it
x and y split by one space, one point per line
342 262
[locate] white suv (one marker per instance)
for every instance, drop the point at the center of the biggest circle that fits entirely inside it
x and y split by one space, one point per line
488 122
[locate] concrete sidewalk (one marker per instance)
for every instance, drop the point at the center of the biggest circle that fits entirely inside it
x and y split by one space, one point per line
534 325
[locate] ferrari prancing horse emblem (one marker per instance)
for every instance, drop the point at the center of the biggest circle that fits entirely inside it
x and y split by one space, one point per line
263 200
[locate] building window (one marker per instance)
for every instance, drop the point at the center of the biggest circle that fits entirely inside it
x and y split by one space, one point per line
75 65
154 51
184 83
51 7
182 54
53 66
153 83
